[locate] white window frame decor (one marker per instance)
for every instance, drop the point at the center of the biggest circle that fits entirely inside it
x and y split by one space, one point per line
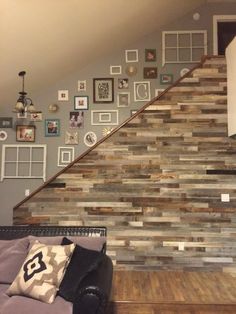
115 69
177 47
65 155
126 99
131 55
63 95
16 160
147 91
98 117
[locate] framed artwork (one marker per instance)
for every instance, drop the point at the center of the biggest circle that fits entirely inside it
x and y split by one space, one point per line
76 119
150 72
115 69
123 83
142 91
123 99
103 90
82 86
63 95
150 55
131 55
81 102
25 133
52 127
36 116
90 139
6 122
166 79
3 135
158 91
71 138
21 115
104 117
65 155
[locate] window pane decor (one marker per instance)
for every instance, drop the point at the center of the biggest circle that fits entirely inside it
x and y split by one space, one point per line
24 161
183 46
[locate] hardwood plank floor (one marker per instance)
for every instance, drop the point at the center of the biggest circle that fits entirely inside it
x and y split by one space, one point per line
163 292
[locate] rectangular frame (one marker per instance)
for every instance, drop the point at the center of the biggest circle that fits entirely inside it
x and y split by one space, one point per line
115 69
81 102
97 117
150 55
6 122
25 133
82 85
143 94
150 72
103 90
62 161
36 117
123 99
63 95
131 55
52 127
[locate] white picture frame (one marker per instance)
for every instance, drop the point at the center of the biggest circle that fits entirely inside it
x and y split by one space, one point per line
158 91
82 86
142 91
123 99
63 95
131 55
65 155
104 117
115 69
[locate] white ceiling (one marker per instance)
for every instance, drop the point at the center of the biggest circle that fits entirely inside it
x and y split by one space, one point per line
52 38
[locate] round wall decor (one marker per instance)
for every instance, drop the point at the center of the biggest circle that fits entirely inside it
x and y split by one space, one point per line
90 138
3 135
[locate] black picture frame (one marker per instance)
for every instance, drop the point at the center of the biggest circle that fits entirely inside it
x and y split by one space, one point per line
103 90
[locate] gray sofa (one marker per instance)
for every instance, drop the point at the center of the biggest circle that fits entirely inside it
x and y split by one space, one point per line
91 288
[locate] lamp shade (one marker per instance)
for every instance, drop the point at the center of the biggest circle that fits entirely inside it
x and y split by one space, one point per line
19 107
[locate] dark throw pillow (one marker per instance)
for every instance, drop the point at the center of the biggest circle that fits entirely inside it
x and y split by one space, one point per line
82 262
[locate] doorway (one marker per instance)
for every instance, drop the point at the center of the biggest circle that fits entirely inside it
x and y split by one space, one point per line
224 30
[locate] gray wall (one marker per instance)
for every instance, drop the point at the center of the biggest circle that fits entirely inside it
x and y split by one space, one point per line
12 190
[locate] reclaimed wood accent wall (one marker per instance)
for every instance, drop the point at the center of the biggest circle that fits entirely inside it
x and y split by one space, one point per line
157 182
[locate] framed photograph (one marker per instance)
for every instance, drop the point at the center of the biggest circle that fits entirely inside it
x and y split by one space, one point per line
123 83
25 133
63 95
52 127
81 102
123 99
115 69
6 122
150 73
131 55
158 91
166 79
36 116
82 86
3 135
142 91
65 155
150 55
71 138
90 139
76 119
103 90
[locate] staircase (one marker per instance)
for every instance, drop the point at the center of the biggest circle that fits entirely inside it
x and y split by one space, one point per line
156 182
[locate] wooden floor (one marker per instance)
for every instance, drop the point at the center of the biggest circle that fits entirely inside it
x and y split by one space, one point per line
164 292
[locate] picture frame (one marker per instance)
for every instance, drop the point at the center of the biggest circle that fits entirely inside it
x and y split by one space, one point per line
123 83
76 119
63 95
123 99
133 111
166 79
158 91
71 138
82 86
105 117
150 55
21 115
81 102
103 90
52 127
3 135
150 72
90 139
115 69
131 55
6 122
65 155
25 133
36 116
142 91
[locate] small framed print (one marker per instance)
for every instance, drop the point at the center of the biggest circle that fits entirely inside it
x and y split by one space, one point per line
123 99
131 55
63 95
103 90
76 119
123 83
90 139
142 91
22 115
82 85
104 117
166 79
150 72
158 91
6 122
36 116
3 135
115 69
65 155
71 138
150 55
52 127
25 133
81 102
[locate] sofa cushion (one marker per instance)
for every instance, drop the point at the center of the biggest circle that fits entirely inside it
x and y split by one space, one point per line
42 272
82 262
12 255
3 297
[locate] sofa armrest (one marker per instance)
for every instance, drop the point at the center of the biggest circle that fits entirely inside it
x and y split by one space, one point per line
94 290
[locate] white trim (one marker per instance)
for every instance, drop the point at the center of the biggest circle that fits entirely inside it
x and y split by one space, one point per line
129 59
216 19
62 151
113 115
115 69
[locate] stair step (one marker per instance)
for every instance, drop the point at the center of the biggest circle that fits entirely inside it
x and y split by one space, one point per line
190 80
202 89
